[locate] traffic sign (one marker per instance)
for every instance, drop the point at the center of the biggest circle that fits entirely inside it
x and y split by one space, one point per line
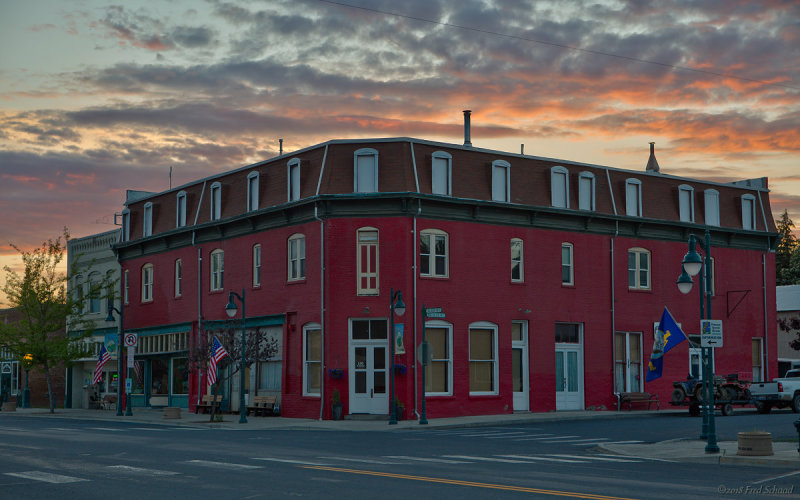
711 333
435 315
434 312
130 339
434 309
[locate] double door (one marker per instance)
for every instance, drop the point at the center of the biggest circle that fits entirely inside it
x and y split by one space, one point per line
369 384
569 377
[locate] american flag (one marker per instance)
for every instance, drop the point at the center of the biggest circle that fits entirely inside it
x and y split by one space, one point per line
217 354
139 369
101 360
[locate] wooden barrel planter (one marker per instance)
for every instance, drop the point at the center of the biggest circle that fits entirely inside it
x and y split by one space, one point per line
755 444
172 412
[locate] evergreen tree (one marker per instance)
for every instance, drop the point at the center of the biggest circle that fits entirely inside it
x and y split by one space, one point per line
785 272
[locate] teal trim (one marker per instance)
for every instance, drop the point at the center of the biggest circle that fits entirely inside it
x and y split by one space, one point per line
179 401
271 320
162 329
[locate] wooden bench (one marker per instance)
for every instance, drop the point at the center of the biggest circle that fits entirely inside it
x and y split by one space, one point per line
639 397
209 402
262 404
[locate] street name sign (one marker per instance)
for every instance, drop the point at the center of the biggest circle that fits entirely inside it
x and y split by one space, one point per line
711 333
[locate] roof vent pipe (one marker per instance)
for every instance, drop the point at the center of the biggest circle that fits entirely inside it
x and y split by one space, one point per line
280 142
467 142
652 164
522 149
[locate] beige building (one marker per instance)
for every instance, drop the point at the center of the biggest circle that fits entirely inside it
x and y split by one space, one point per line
788 303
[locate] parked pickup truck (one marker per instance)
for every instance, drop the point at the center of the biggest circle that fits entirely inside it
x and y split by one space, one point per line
779 393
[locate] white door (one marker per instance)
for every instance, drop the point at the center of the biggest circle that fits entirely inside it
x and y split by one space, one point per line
369 385
519 365
569 377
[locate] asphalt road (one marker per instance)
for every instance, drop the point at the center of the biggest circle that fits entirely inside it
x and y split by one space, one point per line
61 458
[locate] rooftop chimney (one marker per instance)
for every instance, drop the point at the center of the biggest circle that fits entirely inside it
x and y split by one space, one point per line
280 150
652 164
467 142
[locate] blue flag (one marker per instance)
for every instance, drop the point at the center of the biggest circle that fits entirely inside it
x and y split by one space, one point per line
667 336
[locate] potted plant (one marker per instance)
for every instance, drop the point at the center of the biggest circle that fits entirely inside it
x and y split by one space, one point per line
399 409
336 405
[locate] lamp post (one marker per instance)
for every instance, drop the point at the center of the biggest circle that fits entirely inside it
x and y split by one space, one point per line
230 310
691 265
26 393
398 308
110 319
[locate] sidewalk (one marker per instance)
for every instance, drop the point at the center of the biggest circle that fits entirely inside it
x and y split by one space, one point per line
681 450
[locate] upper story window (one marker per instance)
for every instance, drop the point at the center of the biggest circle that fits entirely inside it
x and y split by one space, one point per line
686 202
441 173
516 260
433 252
501 183
147 227
712 206
178 277
293 179
180 209
633 197
125 287
559 187
749 212
217 269
93 293
483 358
252 191
126 225
586 197
256 265
297 257
147 283
365 171
216 201
638 269
567 264
367 261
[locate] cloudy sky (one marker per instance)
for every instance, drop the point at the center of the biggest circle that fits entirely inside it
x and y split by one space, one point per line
98 97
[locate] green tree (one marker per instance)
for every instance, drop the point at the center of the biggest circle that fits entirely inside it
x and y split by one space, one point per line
788 248
46 310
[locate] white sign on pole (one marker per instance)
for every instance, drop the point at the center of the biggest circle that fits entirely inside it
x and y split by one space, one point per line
711 333
130 339
131 351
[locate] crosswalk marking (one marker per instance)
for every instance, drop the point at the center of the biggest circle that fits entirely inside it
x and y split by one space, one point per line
360 460
426 459
486 459
140 470
154 429
289 461
223 465
637 458
623 442
547 459
487 434
46 477
552 438
592 457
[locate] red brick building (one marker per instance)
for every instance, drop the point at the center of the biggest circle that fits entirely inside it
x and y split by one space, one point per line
551 275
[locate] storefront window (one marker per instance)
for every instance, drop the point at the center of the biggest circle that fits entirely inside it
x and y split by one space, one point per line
137 378
180 376
160 377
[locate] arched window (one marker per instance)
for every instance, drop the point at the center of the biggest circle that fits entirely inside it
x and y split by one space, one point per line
217 269
712 206
441 173
180 209
586 198
147 227
749 212
501 181
686 202
365 171
559 187
216 201
293 179
633 197
252 191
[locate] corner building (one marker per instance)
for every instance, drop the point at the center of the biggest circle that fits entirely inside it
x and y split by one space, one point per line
551 275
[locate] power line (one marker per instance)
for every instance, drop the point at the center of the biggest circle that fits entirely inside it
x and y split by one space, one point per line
559 45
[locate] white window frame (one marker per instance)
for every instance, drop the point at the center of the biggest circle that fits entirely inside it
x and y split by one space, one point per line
448 163
147 282
449 360
633 207
686 210
93 300
297 272
178 277
180 209
711 198
518 260
501 168
570 264
126 225
307 364
252 191
147 226
432 235
637 284
125 286
257 265
292 183
559 195
586 188
373 268
749 213
217 267
367 187
484 325
216 201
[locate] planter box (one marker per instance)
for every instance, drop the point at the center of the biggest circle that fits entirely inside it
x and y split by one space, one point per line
755 444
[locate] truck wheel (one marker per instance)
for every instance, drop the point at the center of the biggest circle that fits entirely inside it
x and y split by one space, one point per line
762 407
727 410
678 396
796 403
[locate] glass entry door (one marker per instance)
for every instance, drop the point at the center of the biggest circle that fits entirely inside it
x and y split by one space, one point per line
569 378
519 365
369 385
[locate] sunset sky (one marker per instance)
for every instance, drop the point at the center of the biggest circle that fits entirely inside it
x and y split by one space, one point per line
98 97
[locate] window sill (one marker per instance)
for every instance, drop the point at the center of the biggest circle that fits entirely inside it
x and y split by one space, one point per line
640 290
568 285
484 395
214 292
517 282
429 277
296 282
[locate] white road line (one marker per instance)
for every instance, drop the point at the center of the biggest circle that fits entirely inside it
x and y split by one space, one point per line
109 429
154 429
546 459
485 459
486 434
637 457
623 442
359 460
46 477
9 445
140 470
592 457
223 465
777 477
11 429
288 461
552 439
587 440
425 459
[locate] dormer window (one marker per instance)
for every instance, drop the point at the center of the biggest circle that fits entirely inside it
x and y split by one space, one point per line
293 179
586 198
126 225
365 171
633 197
686 202
147 227
712 207
216 201
559 187
441 173
252 191
749 212
501 185
180 210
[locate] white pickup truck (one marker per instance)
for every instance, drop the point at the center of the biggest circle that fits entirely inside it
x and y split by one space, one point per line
779 393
